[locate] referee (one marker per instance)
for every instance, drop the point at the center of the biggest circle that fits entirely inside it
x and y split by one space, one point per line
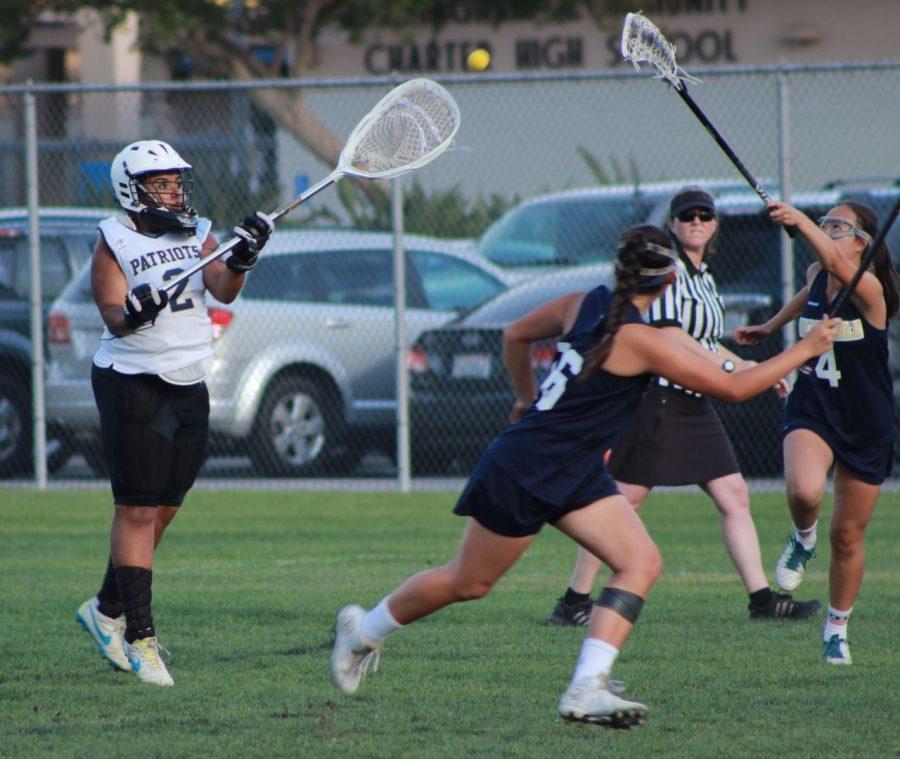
676 437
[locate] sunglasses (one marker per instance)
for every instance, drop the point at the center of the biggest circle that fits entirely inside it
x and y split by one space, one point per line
687 216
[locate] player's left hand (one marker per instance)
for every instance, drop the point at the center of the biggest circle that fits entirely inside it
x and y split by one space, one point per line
782 388
254 234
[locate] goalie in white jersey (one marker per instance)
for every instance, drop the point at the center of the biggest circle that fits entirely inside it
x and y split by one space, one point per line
148 379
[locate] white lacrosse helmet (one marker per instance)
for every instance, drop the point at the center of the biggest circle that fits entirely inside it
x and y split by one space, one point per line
132 165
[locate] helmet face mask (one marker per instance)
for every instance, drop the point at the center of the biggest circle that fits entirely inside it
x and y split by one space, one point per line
132 173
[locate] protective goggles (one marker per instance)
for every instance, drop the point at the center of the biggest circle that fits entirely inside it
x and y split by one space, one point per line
836 228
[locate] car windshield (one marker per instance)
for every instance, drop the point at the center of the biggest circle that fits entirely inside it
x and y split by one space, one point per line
562 232
518 301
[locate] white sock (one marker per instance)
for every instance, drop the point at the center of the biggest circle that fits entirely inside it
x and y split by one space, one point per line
378 623
596 658
807 537
836 623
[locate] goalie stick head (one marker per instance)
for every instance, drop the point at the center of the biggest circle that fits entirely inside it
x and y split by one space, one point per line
643 42
409 127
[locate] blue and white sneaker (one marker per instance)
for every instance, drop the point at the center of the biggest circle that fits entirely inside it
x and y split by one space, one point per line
837 650
147 663
107 633
791 566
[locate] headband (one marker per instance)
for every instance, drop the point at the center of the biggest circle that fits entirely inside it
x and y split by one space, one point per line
667 252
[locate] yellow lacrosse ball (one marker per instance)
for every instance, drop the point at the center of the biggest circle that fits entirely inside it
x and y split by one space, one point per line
478 60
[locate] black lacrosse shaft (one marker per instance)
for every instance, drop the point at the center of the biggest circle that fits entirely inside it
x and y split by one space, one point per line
726 148
843 297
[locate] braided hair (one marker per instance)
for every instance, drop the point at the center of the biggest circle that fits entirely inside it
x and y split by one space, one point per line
643 264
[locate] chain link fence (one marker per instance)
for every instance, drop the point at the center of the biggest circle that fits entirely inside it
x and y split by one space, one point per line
545 172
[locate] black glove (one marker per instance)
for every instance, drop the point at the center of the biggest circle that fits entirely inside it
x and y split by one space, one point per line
143 304
254 234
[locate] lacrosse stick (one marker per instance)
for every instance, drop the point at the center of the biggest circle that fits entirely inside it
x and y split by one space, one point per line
410 127
642 42
840 302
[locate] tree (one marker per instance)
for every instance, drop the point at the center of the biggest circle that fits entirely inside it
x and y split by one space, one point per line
218 36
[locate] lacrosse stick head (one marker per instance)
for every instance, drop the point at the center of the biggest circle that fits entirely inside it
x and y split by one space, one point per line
643 42
411 126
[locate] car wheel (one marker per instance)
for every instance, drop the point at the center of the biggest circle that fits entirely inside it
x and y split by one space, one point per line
15 430
299 430
58 453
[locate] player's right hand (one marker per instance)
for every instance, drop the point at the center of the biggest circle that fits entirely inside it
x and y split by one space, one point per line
143 304
254 233
821 337
749 335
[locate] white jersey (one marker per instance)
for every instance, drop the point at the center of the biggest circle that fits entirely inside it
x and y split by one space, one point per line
182 334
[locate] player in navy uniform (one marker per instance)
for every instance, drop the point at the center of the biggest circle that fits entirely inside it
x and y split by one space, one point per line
683 429
545 468
840 412
148 379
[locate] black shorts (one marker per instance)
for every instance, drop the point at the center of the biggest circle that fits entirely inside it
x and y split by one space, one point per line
497 502
154 435
871 464
673 439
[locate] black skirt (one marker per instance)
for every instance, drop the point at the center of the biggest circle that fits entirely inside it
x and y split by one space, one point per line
674 439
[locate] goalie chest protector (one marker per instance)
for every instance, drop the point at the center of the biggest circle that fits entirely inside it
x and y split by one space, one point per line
182 333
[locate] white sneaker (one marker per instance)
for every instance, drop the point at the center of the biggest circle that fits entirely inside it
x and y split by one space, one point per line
837 650
791 566
592 700
147 663
107 633
352 657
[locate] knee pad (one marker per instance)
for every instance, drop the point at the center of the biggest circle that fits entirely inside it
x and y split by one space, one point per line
623 602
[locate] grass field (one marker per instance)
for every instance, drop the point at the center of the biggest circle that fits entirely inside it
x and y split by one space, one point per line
247 585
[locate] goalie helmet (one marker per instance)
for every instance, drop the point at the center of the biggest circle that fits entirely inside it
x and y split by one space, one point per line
137 162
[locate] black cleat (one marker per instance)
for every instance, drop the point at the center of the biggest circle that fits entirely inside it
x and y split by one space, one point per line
571 615
783 606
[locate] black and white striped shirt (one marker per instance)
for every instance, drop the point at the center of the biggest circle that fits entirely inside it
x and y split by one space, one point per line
692 303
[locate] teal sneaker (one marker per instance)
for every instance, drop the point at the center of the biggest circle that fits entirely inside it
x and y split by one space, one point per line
837 650
792 564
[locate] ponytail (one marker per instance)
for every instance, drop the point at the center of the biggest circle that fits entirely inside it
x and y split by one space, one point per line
644 262
627 277
882 267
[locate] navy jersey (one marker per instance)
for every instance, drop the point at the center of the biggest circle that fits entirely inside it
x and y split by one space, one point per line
558 445
849 390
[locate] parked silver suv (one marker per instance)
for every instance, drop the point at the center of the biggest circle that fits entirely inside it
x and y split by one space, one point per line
303 377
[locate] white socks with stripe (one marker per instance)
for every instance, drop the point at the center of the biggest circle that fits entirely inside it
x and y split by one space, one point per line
836 623
378 624
596 658
807 537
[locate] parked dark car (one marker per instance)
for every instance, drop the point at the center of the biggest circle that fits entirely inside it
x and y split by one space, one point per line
460 396
67 237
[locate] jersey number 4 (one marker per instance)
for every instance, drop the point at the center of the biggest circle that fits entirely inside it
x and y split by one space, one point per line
554 385
826 369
